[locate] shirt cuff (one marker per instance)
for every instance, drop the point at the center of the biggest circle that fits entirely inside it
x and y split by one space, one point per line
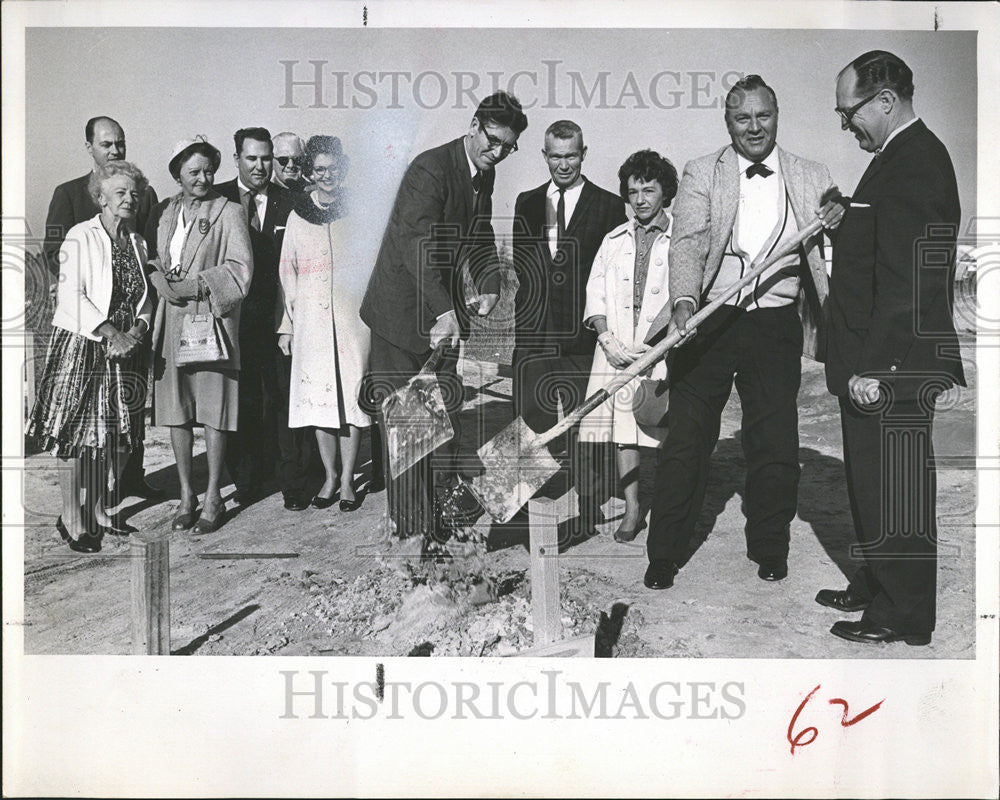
691 300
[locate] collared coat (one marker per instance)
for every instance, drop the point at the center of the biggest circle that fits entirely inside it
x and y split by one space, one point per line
321 290
217 250
83 293
610 294
704 215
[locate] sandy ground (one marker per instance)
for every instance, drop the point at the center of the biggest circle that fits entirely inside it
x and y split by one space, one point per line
324 582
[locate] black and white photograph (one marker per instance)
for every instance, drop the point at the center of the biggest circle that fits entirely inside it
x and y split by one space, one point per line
542 385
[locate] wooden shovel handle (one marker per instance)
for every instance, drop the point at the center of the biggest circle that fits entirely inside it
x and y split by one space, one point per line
657 352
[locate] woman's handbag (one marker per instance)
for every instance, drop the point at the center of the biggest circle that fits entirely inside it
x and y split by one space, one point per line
200 340
649 403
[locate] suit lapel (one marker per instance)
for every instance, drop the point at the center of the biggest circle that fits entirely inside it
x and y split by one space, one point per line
582 205
725 195
207 214
795 185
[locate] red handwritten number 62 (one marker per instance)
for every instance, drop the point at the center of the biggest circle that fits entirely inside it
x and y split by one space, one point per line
799 739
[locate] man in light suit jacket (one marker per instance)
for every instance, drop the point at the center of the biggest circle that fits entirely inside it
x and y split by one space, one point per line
440 222
892 349
733 206
71 203
558 229
264 370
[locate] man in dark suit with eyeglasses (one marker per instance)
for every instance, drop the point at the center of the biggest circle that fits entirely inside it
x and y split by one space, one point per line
439 234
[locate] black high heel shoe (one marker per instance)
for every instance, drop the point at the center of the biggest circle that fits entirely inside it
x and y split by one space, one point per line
352 505
85 544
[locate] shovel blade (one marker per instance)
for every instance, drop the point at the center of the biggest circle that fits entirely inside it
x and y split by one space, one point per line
416 423
515 468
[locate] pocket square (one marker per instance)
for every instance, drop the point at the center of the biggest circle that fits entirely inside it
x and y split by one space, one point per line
860 205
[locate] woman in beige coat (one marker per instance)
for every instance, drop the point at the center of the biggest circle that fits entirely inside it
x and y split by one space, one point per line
322 287
203 264
627 287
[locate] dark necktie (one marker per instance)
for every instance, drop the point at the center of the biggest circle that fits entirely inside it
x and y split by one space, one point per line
561 217
252 216
759 169
477 188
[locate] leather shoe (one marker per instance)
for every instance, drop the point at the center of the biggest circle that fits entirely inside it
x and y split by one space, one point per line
773 570
375 484
324 502
660 575
622 535
247 495
844 600
296 503
865 632
85 544
182 519
210 524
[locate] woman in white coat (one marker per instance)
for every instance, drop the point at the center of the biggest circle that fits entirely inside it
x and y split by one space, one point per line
92 397
322 287
626 289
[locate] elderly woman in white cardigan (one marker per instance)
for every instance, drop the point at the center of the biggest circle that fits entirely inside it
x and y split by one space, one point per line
627 287
93 392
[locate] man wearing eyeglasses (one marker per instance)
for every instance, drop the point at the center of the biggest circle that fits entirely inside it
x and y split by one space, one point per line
264 371
438 238
734 207
892 349
289 160
558 230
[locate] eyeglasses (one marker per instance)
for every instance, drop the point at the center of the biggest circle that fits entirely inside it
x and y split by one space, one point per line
296 160
324 171
847 114
493 143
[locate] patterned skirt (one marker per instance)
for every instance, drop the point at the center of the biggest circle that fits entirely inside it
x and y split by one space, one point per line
87 403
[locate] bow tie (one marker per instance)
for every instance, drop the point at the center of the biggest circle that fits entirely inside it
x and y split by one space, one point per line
759 169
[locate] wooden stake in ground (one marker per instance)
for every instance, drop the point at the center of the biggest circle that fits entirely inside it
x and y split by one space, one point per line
543 533
150 579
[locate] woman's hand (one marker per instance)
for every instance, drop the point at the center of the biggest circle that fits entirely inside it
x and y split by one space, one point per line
121 344
164 288
618 357
186 289
285 343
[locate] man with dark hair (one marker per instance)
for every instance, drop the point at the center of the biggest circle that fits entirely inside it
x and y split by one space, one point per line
264 371
892 349
71 204
439 230
734 207
558 229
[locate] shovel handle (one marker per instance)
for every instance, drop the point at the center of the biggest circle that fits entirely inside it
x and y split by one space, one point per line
655 353
434 359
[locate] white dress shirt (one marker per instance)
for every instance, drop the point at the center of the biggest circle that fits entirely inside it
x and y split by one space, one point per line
892 135
260 199
759 205
571 198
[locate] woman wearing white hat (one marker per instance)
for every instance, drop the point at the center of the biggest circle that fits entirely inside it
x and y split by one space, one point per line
202 265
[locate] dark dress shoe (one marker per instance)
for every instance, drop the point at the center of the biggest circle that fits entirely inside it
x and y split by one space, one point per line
865 632
324 502
183 520
773 570
85 544
844 600
375 484
117 528
351 505
660 575
622 535
296 503
247 495
210 524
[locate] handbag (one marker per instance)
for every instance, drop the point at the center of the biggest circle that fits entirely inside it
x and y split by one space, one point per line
200 340
649 403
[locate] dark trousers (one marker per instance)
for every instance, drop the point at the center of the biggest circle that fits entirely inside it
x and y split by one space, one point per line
412 496
541 383
761 351
262 428
134 472
892 485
